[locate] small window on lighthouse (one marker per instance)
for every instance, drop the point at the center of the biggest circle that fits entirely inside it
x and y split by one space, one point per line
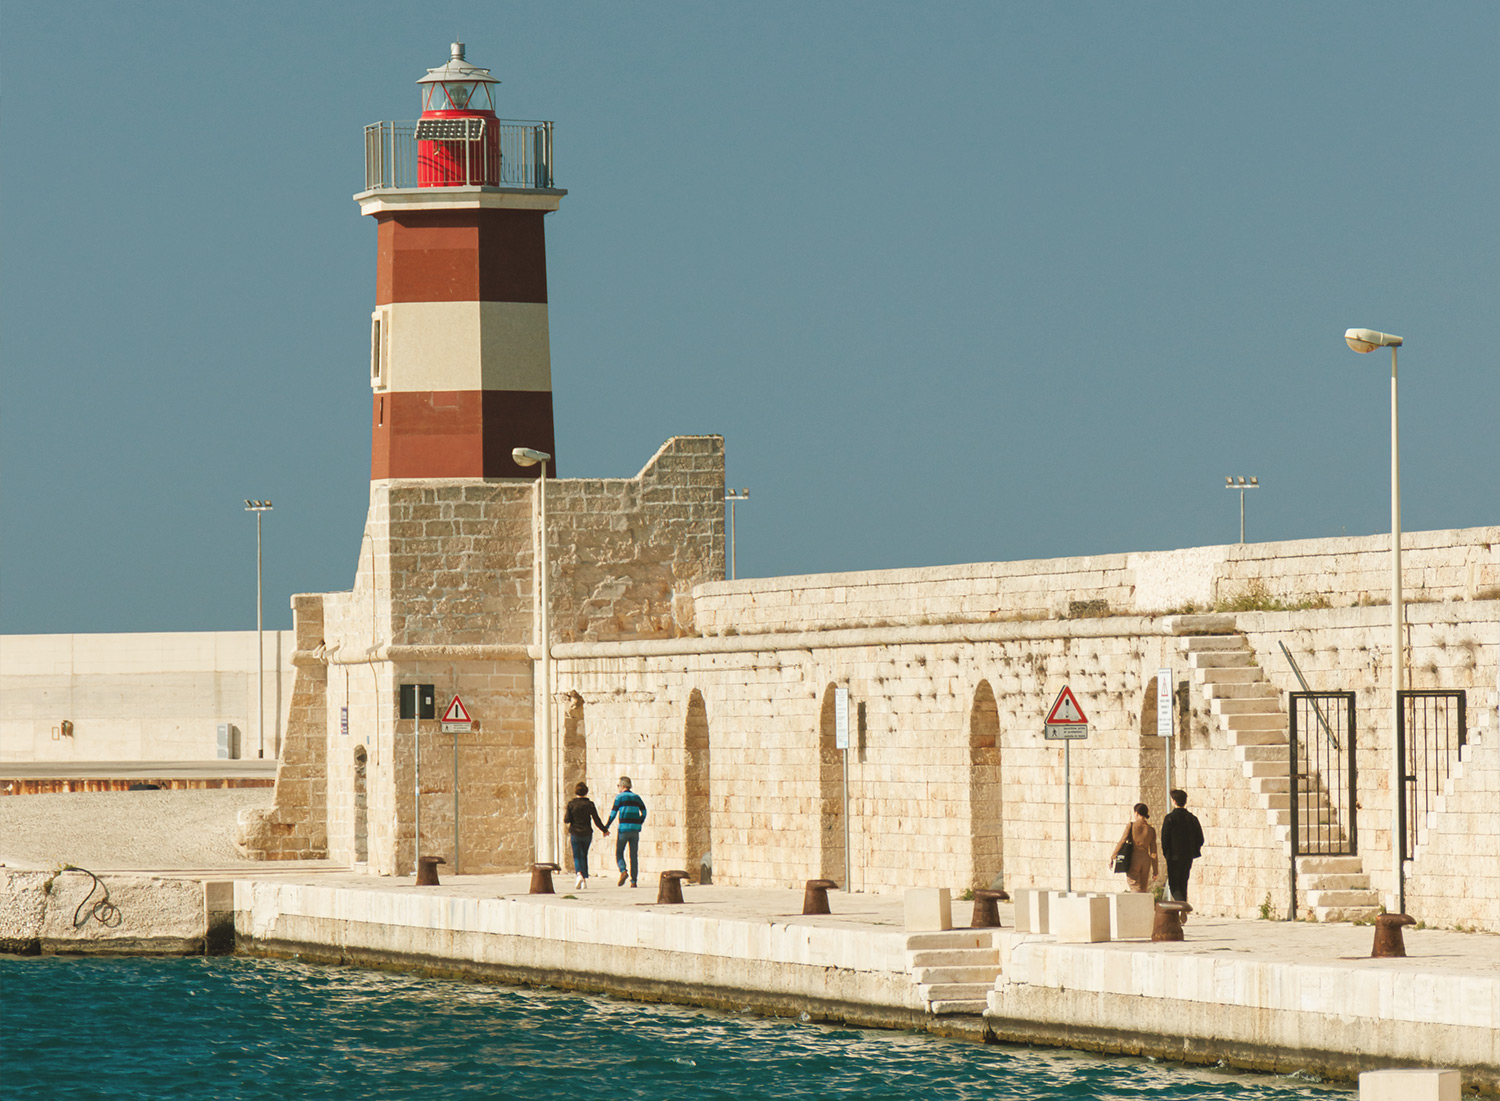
376 366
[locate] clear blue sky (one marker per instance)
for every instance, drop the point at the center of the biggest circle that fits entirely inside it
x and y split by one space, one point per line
957 282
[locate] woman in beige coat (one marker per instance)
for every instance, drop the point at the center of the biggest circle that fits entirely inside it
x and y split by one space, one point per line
1142 868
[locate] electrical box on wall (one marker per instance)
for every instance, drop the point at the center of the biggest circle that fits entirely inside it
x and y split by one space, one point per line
229 742
418 701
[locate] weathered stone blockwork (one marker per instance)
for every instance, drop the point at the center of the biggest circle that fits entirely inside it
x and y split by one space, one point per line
1436 565
925 808
445 595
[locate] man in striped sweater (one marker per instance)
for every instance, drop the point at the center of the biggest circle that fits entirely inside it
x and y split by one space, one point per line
631 810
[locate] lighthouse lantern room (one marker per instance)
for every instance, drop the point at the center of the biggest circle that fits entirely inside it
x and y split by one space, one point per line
458 135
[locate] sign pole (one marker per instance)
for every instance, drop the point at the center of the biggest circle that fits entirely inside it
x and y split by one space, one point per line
1068 810
1066 721
456 721
416 795
841 743
455 802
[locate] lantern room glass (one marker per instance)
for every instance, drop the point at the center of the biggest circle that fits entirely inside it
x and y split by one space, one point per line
457 95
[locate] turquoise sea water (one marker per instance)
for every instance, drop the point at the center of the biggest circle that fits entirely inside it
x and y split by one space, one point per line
233 1028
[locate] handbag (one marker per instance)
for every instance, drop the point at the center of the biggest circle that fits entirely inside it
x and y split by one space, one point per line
1127 850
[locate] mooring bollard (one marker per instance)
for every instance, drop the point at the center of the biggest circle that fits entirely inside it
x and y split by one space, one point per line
427 870
669 888
986 913
541 879
815 896
1168 925
1389 943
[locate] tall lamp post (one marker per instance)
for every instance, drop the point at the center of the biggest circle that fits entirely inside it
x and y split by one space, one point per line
259 507
1367 340
547 835
1241 484
734 498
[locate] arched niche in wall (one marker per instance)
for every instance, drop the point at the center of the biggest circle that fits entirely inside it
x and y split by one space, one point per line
1151 760
830 793
361 806
575 752
697 778
986 822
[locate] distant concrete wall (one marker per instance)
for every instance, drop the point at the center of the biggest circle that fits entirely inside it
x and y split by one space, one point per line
138 697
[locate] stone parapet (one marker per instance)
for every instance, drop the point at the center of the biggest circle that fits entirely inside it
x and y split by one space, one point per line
1461 564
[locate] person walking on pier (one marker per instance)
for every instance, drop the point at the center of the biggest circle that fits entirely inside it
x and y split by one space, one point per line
1181 844
631 809
581 817
1142 836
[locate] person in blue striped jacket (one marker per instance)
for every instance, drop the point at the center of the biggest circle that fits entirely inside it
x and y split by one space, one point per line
631 810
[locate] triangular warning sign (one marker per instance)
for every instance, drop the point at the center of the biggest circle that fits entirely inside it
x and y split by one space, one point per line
457 712
1065 710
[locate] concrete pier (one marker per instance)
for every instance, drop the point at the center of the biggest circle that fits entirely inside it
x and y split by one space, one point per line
1256 995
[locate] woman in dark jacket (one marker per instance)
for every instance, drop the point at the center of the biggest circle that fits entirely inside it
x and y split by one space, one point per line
1142 835
581 817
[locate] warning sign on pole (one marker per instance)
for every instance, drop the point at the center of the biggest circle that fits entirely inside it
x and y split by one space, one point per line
1066 720
456 719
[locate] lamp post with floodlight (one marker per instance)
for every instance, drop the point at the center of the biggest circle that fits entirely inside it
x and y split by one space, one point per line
1367 340
734 498
547 831
1241 484
259 507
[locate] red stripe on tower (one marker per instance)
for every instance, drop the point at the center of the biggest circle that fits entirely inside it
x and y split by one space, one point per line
460 362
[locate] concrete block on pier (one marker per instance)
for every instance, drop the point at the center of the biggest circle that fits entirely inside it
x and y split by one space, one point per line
1410 1085
1131 916
929 909
1080 919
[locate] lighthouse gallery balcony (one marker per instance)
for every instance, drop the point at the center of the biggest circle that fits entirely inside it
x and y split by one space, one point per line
458 152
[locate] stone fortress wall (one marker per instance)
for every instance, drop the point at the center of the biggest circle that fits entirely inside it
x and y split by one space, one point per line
444 595
729 733
138 697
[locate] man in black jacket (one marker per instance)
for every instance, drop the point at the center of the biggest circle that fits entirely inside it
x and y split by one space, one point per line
1181 844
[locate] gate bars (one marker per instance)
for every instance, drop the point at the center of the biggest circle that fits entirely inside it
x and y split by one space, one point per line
1322 778
1431 730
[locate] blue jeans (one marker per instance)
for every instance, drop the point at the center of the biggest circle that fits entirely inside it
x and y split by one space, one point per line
581 852
633 840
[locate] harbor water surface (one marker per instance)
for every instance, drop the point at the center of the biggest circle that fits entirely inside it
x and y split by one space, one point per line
216 1028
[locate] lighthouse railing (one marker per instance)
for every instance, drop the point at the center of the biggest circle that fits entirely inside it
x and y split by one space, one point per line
505 153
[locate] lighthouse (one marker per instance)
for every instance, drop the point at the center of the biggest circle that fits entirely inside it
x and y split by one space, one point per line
460 363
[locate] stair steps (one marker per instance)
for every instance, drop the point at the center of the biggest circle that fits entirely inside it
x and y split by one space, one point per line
954 971
1249 711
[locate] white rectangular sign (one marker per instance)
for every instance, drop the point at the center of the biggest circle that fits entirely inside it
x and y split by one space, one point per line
841 718
1164 703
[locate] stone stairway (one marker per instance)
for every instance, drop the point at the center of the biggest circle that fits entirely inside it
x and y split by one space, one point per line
954 970
1249 709
1429 821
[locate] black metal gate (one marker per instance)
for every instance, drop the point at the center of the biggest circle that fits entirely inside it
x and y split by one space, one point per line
1322 774
1431 729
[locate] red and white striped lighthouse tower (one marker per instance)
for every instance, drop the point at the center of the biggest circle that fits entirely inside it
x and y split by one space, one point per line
459 357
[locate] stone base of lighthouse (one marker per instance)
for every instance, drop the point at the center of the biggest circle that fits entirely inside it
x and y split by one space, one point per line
444 596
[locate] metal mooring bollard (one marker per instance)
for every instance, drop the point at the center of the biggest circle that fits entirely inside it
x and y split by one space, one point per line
815 896
427 870
1389 943
541 879
1168 923
669 889
986 915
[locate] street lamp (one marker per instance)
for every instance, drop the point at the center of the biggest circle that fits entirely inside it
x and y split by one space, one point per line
547 837
1367 340
1241 484
259 507
734 498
